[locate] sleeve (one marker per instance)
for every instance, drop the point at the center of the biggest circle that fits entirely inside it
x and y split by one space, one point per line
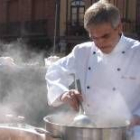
59 77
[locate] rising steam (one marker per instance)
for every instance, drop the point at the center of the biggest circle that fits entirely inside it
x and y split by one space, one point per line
22 83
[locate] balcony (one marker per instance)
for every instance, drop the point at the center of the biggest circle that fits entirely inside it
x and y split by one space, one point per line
23 29
10 29
38 27
76 30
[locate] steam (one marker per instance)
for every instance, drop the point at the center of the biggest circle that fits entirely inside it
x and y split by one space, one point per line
109 108
23 86
21 52
22 83
113 110
23 89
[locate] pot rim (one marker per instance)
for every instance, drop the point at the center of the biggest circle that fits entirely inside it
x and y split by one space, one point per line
46 119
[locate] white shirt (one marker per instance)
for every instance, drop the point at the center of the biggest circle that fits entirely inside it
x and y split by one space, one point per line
110 82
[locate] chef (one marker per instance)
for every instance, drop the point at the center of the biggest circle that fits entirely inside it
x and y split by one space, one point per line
108 69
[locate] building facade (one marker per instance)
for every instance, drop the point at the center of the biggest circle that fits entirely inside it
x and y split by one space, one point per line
58 22
71 20
29 20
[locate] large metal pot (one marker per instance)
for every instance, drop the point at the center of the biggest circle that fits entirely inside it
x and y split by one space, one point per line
16 133
67 132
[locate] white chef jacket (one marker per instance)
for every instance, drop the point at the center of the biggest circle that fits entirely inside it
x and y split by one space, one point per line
110 82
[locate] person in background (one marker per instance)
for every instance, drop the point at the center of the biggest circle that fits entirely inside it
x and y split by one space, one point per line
108 68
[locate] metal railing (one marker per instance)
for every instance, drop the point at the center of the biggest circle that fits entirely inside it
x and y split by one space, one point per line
23 28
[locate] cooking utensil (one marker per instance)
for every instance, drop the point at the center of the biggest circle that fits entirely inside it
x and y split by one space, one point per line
81 119
67 132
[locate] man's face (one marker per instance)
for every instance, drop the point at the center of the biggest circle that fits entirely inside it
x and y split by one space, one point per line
105 36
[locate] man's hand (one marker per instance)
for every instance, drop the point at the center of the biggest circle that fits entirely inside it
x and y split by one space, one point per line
135 121
72 97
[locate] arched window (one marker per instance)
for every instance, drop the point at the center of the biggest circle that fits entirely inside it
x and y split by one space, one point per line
77 12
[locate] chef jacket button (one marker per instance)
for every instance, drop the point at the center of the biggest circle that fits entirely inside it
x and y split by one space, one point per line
88 105
88 87
94 52
118 69
123 52
89 68
113 88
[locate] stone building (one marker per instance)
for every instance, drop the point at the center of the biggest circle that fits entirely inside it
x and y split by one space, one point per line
71 19
47 22
28 20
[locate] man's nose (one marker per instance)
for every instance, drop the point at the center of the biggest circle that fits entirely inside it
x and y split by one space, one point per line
99 41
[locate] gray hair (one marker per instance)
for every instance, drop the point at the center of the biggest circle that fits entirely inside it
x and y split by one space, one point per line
102 12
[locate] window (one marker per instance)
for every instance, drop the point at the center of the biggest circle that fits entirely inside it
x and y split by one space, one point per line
12 11
77 12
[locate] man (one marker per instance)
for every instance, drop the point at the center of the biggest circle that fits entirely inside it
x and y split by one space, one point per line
108 70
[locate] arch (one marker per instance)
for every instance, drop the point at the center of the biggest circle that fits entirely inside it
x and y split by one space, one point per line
77 11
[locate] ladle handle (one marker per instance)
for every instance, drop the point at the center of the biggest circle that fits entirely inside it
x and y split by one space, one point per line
81 108
78 87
